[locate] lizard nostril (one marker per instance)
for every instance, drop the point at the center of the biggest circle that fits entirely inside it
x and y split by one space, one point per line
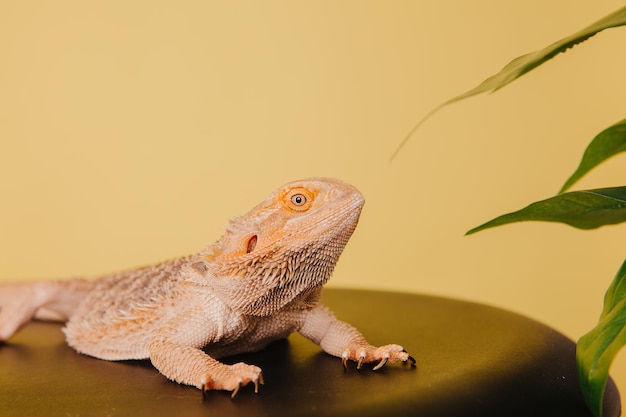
251 244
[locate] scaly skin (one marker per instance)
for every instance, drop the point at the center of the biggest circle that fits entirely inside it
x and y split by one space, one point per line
260 282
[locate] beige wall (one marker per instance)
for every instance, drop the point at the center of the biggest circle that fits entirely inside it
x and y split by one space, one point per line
130 131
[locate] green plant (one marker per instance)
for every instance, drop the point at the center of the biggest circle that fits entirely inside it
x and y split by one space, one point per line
585 209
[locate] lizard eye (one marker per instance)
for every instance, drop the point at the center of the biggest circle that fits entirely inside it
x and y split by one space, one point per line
298 199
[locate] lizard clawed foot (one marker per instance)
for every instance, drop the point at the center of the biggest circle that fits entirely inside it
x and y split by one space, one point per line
366 353
234 377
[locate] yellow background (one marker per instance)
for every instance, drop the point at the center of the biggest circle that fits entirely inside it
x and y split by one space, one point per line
132 130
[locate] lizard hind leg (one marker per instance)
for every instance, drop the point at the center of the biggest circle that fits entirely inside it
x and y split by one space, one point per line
44 300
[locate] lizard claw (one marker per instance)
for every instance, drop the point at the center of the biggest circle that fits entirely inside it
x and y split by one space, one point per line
235 391
411 361
206 386
359 364
382 363
257 382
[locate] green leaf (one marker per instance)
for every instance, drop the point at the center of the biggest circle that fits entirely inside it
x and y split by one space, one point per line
596 350
606 144
525 63
582 209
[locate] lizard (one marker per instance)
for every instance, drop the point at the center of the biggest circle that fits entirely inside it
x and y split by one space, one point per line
261 281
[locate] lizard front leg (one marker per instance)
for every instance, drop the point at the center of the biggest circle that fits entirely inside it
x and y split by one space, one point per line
343 340
191 366
175 351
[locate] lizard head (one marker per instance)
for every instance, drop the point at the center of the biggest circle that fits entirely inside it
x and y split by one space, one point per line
286 245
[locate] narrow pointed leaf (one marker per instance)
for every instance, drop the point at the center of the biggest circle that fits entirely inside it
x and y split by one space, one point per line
582 209
525 63
606 144
596 350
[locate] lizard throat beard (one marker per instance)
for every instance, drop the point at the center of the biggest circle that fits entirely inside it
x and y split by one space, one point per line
270 282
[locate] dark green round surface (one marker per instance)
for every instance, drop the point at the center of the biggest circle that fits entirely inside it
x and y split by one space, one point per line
472 360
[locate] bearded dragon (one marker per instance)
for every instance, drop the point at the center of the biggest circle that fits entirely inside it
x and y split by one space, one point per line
261 281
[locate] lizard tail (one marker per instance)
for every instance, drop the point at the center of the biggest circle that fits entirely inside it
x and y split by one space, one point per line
43 300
